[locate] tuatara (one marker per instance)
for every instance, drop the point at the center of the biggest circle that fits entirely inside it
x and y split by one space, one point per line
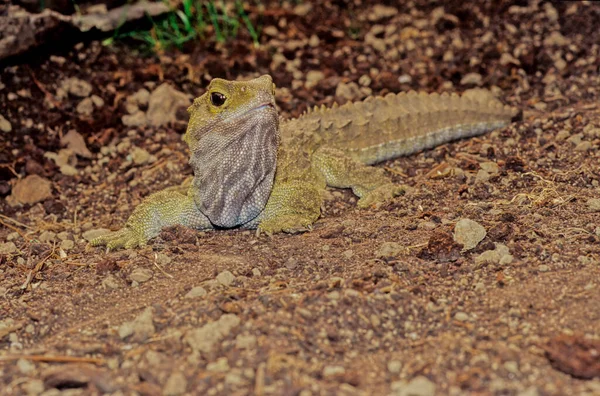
253 170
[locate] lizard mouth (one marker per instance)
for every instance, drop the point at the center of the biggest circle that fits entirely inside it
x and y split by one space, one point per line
254 109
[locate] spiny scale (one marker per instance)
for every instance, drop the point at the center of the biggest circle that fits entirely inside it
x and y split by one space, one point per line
380 128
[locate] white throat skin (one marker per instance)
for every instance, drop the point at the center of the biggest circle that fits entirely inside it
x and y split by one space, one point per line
234 166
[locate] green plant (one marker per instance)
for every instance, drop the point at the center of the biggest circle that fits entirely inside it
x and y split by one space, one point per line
191 22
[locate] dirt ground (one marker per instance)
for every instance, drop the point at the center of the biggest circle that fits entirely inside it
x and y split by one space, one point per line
371 301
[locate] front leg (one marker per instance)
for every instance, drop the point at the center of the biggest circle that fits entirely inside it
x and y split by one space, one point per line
162 209
293 207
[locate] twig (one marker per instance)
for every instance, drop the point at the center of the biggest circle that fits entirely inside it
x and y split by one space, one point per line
48 358
15 222
160 269
42 88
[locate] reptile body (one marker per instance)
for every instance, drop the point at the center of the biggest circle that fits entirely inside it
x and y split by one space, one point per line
252 170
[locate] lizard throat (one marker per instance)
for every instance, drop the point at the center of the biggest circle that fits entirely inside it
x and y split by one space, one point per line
234 169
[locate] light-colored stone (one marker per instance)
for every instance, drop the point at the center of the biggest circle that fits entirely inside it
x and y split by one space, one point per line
225 278
8 248
245 341
141 275
47 236
77 87
500 255
471 79
5 125
206 338
333 371
313 77
197 291
76 143
176 384
418 386
594 204
468 233
32 189
140 329
388 249
67 244
85 107
139 156
163 104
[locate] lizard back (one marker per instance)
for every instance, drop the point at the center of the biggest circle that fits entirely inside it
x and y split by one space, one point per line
381 128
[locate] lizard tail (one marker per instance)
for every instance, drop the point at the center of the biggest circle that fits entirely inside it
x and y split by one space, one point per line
382 128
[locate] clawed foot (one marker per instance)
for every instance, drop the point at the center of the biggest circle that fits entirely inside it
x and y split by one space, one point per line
124 238
291 224
381 195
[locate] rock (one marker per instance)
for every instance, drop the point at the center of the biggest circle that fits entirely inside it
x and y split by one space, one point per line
313 77
348 91
136 119
583 146
140 156
303 8
76 143
220 366
543 268
65 160
77 87
25 366
85 107
67 244
8 248
95 233
5 125
482 176
140 329
112 282
244 341
388 249
418 386
330 372
162 259
405 79
379 12
594 204
490 167
133 102
468 233
163 104
141 275
34 387
271 31
206 338
30 190
531 391
555 39
47 236
225 278
197 291
500 255
471 79
176 384
506 59
97 100
314 41
461 316
394 366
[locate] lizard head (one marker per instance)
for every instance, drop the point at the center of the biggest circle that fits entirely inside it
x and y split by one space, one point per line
233 136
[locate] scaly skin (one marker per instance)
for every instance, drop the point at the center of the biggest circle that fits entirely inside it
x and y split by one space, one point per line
253 171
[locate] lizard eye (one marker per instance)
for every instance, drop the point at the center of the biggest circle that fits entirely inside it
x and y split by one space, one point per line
217 99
